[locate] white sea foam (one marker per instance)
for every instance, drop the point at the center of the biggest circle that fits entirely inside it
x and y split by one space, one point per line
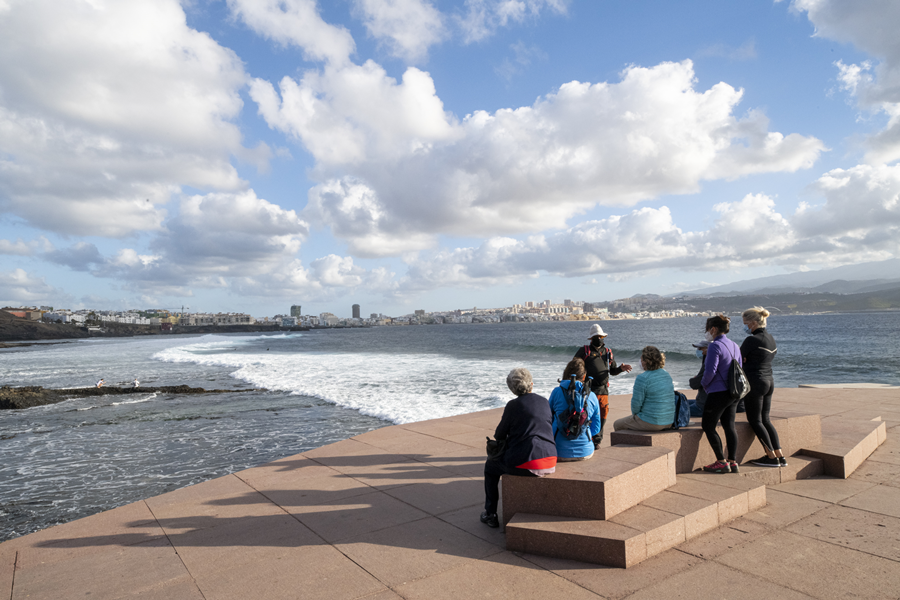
138 401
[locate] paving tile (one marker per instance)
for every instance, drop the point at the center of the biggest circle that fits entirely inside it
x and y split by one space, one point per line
712 580
183 588
852 528
502 575
122 526
889 451
724 539
819 569
441 428
441 495
224 497
293 471
382 595
357 515
310 572
411 551
877 472
468 519
7 565
783 509
882 499
827 489
385 477
614 583
125 571
313 490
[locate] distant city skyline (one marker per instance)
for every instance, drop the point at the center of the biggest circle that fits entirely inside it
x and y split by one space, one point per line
245 156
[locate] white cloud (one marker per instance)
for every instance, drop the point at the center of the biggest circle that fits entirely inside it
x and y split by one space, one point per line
107 108
23 248
859 221
870 25
483 17
515 170
410 27
297 23
19 288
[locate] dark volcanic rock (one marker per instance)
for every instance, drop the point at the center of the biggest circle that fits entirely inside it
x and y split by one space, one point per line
29 396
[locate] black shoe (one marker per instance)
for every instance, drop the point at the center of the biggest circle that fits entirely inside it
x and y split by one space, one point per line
733 466
782 461
765 461
490 519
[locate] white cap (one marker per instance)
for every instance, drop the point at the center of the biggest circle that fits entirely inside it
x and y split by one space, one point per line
596 330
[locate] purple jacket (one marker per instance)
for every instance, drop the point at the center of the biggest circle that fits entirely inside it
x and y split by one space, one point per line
718 364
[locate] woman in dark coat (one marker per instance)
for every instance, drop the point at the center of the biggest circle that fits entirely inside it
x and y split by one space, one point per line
530 449
759 351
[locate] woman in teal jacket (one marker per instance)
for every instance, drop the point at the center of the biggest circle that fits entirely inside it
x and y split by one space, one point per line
582 447
653 398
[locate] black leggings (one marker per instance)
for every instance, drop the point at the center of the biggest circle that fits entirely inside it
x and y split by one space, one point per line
758 403
720 406
493 470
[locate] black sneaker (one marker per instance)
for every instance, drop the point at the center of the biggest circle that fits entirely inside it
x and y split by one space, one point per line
765 461
490 519
782 461
733 466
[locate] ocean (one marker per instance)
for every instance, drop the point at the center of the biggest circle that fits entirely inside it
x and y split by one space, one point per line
77 458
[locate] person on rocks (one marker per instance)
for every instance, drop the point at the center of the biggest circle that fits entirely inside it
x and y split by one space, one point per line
100 383
600 365
720 406
530 450
582 447
652 401
135 383
758 350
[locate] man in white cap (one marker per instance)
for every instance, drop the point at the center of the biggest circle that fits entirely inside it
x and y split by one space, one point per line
600 364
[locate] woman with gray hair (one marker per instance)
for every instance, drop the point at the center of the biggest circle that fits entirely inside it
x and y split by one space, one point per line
530 450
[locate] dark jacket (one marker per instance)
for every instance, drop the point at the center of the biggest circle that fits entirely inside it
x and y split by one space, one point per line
600 364
759 351
526 427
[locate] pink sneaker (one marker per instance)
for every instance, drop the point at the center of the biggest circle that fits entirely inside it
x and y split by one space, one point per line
720 466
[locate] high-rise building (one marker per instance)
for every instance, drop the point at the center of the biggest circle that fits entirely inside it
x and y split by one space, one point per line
356 311
295 310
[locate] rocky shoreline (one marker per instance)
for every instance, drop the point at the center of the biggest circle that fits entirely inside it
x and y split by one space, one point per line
31 396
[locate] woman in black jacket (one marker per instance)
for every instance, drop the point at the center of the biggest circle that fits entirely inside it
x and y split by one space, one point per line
759 351
530 449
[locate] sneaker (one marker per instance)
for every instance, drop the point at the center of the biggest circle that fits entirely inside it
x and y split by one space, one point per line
765 461
782 461
733 466
720 466
490 519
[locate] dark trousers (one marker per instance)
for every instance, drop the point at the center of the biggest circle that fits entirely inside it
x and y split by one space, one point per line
758 403
493 470
720 407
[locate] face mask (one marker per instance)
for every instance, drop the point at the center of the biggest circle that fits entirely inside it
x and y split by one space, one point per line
709 336
699 353
596 342
747 330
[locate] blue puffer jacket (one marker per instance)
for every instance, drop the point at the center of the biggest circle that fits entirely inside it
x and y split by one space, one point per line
583 446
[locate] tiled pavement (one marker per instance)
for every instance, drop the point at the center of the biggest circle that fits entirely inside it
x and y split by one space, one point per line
394 514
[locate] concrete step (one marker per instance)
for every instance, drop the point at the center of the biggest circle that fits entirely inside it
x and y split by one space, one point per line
613 480
693 506
798 467
692 450
846 444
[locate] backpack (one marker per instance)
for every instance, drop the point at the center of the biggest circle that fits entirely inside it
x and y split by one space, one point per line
575 424
738 385
682 411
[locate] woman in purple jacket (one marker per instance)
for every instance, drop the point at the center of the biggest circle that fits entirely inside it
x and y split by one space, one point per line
720 406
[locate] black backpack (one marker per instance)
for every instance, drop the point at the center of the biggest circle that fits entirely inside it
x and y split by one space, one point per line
738 384
682 411
577 413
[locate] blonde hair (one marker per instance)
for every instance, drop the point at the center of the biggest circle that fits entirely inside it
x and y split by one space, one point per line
757 315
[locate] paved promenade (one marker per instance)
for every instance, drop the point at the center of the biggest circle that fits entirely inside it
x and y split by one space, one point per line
394 513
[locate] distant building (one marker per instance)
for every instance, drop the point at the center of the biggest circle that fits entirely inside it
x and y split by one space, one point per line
568 302
295 310
420 313
356 311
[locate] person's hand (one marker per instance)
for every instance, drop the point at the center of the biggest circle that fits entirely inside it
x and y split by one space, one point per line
626 368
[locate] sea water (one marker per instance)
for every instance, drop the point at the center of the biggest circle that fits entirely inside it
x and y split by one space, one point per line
303 390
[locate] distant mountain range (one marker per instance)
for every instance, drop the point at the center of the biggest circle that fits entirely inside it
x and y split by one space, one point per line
850 279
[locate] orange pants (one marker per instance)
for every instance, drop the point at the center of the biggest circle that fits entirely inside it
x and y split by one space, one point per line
604 406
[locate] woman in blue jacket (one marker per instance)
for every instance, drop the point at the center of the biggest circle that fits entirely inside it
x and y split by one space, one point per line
720 406
582 447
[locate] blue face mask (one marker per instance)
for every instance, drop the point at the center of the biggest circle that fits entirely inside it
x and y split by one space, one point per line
747 330
699 353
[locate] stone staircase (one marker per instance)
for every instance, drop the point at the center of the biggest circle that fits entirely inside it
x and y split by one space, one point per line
645 494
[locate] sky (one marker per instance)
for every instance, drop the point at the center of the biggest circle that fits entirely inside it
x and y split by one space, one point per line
250 155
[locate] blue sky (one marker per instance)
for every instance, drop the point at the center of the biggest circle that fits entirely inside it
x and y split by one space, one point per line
247 155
